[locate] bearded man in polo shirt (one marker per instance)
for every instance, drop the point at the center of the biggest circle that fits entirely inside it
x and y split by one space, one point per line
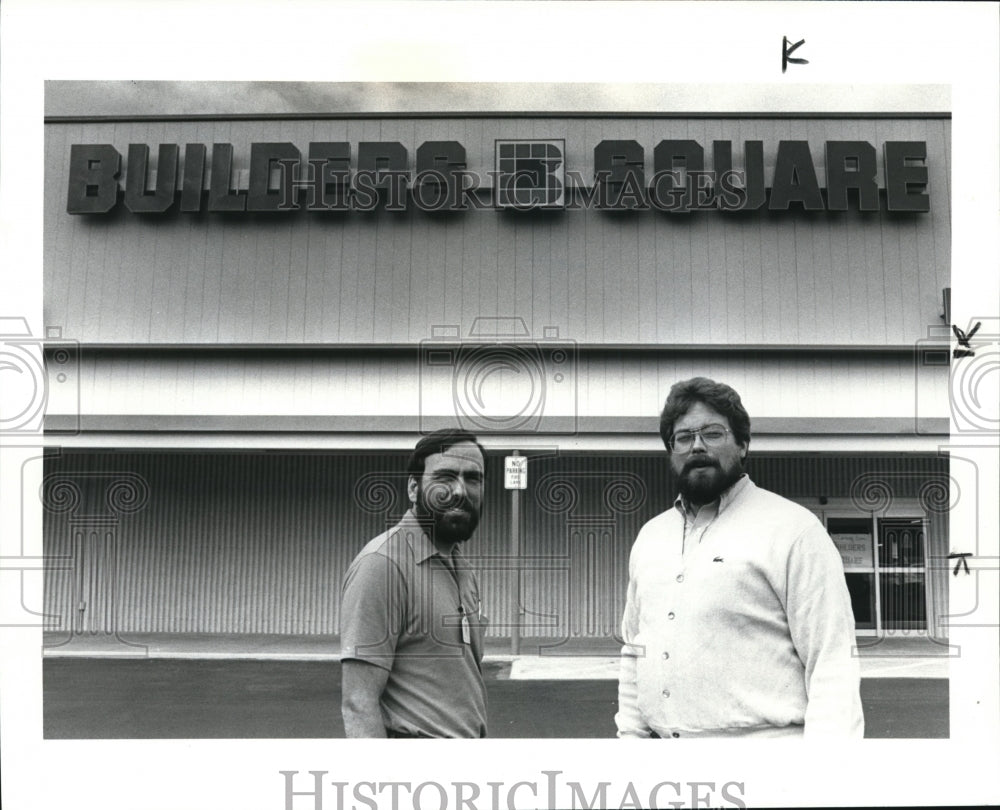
738 621
411 622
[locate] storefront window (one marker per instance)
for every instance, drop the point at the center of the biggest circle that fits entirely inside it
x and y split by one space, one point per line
901 542
853 538
902 577
884 567
862 590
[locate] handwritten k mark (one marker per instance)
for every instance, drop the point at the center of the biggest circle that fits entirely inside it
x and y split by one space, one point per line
963 340
786 54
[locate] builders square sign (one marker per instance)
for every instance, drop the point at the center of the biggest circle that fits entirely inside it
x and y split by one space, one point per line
528 175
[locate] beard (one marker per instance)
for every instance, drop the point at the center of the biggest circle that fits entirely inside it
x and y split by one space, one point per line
703 479
452 522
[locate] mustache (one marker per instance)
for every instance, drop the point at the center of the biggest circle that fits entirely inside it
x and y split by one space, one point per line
458 504
700 462
450 505
457 510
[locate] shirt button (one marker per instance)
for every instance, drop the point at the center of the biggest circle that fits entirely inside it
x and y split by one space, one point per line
680 577
666 655
666 693
670 615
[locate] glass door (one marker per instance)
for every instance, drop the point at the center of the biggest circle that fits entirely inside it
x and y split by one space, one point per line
854 540
885 566
902 573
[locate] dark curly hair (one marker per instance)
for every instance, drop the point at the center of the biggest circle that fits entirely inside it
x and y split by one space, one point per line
438 442
717 396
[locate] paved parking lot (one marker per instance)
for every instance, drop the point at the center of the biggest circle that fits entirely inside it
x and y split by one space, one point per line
124 698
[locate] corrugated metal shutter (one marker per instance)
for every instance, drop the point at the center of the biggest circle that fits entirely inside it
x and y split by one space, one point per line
259 543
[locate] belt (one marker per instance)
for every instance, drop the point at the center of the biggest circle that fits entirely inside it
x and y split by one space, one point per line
395 734
733 733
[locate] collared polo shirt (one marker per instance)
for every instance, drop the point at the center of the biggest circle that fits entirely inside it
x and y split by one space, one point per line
403 608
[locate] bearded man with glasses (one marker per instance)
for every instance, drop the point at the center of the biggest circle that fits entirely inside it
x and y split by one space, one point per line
738 621
411 620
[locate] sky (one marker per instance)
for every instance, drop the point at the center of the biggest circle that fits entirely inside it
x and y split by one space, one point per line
126 98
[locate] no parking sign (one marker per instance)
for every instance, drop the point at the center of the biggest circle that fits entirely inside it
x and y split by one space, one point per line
515 469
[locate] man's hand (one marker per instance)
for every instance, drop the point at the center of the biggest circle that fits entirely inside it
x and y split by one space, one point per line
362 686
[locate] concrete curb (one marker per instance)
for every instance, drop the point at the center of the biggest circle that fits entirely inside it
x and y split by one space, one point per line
917 664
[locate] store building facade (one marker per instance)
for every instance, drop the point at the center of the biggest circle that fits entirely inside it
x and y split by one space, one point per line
260 343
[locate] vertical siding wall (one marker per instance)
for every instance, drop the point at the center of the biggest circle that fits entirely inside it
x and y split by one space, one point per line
766 277
258 543
230 543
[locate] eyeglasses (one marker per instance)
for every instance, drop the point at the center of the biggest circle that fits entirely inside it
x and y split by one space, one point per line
711 435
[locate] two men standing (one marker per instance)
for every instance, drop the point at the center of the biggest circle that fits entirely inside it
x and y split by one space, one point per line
738 622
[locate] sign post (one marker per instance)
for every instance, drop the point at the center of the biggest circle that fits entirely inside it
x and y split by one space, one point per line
515 478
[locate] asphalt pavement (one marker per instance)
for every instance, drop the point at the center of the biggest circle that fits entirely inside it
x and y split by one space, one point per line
210 698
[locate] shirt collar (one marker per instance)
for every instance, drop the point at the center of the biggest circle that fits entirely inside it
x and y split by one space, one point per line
726 498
